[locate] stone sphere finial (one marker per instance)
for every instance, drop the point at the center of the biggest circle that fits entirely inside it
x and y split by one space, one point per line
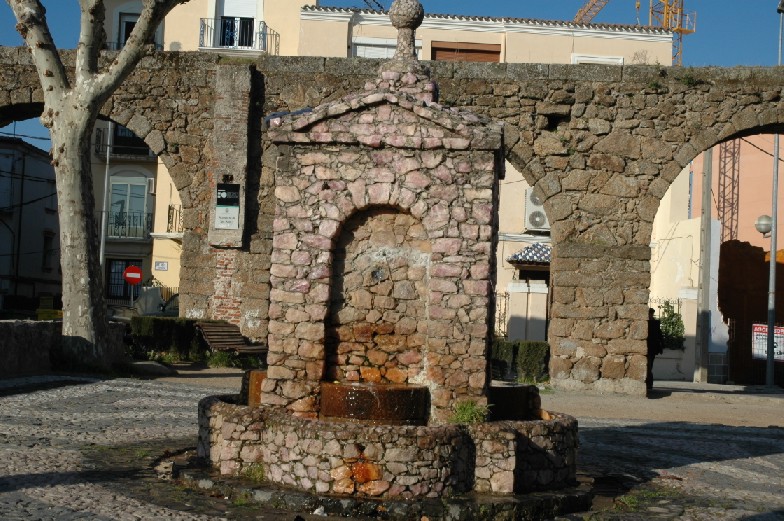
406 16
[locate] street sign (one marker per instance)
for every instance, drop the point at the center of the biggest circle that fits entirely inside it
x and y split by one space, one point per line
759 342
133 275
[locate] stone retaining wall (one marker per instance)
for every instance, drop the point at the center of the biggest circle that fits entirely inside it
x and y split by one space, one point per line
32 347
387 461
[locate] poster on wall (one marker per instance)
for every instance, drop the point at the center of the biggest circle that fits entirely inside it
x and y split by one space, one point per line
227 208
759 342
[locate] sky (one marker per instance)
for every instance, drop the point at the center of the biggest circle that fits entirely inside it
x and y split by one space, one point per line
729 32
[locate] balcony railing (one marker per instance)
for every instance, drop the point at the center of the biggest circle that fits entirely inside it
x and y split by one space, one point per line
239 34
174 223
128 225
116 46
133 149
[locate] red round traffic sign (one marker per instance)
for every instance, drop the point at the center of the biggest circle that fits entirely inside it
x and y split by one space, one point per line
133 275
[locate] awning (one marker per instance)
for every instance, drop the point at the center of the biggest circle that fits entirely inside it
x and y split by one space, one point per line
537 254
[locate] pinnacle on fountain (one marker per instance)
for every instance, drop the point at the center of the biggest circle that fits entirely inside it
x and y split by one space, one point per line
404 71
406 16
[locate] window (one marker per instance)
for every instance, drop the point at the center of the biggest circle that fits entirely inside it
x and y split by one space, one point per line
127 143
50 203
47 262
466 52
365 47
593 59
236 32
127 23
116 287
6 181
128 216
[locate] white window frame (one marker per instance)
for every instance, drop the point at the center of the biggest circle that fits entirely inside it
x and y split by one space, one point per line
388 44
594 59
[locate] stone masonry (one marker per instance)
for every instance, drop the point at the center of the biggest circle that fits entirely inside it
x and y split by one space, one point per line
600 143
407 190
387 461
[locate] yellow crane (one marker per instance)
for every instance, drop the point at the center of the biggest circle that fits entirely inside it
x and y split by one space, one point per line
667 14
588 11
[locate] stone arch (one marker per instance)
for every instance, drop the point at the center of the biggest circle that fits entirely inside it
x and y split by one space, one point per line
378 297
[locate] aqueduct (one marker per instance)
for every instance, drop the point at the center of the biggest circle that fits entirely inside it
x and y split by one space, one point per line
602 144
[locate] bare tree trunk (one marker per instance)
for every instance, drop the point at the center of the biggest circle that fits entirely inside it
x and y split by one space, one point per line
71 106
84 310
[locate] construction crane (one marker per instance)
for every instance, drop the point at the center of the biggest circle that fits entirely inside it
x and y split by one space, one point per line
728 201
589 11
670 15
667 14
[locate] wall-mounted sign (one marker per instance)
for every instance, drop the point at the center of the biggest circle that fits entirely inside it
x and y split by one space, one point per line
759 342
161 266
227 207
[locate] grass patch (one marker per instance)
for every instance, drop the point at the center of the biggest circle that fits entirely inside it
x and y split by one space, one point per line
468 412
254 472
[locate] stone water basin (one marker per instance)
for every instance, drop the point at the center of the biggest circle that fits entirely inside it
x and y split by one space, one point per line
374 403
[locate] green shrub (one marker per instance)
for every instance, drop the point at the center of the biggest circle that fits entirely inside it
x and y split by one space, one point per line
166 334
672 327
232 359
528 360
468 412
533 359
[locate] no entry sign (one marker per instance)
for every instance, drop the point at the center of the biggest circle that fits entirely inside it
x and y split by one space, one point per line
132 275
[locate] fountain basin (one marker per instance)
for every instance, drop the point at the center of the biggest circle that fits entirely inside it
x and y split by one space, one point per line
349 458
375 404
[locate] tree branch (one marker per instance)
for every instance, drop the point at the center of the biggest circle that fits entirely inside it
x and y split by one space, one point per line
31 24
153 13
91 38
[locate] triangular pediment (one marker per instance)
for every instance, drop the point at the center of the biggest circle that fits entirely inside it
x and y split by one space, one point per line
382 118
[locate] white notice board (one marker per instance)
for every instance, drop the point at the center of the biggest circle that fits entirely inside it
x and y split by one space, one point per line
759 342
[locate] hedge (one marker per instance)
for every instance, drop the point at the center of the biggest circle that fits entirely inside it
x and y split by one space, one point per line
519 360
165 334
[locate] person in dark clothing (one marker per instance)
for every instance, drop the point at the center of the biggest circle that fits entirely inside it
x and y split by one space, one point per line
655 345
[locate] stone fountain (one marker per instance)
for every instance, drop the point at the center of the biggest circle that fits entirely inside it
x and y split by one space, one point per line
381 306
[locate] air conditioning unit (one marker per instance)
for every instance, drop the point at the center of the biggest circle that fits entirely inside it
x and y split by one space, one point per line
535 218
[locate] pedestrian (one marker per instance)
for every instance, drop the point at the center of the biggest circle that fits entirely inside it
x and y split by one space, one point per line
655 346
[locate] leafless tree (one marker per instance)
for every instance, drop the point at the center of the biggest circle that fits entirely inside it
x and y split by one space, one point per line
71 107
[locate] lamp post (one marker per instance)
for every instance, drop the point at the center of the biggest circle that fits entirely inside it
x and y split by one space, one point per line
769 373
766 225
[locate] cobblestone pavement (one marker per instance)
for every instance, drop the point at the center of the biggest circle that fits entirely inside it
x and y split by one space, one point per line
676 470
53 430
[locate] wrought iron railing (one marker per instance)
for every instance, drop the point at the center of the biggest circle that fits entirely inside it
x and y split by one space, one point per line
128 225
238 33
138 151
174 222
116 46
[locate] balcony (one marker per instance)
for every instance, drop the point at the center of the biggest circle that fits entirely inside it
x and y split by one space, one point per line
127 225
174 222
240 34
122 147
117 46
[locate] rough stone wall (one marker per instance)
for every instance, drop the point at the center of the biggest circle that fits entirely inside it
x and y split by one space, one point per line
438 166
388 461
601 143
33 347
379 293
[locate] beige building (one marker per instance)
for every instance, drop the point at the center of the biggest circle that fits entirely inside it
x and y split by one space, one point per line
137 202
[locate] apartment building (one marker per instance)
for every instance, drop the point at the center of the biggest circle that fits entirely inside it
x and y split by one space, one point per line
29 228
136 201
